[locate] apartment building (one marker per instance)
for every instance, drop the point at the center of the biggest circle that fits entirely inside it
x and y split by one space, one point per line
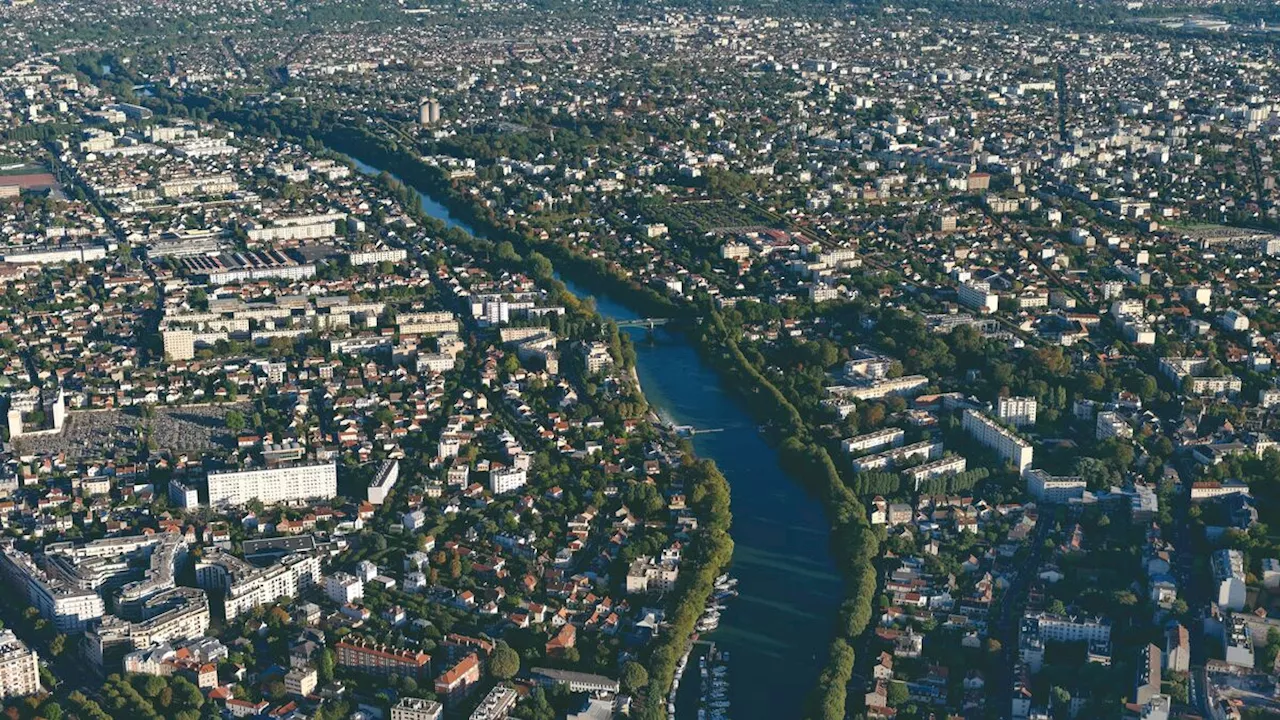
1237 642
951 465
647 574
285 229
1017 411
1109 424
300 681
344 588
1039 628
288 484
457 682
180 613
1177 649
373 257
246 586
977 295
992 434
410 708
383 480
179 344
365 656
69 607
1054 489
426 323
506 478
19 667
904 385
925 450
596 357
873 441
1229 581
497 704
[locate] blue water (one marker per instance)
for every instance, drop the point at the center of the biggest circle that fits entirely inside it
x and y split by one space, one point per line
778 628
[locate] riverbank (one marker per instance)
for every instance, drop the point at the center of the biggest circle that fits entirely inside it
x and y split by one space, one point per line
778 629
852 539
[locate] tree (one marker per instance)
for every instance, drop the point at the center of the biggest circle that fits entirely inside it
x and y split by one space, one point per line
505 662
897 693
58 644
235 421
634 676
153 685
325 665
1061 701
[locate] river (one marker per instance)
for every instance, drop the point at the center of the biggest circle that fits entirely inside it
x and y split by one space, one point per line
778 629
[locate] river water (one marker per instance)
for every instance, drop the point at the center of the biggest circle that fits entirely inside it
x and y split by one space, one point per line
778 629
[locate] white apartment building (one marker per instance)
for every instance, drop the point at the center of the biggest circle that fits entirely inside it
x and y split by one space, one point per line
952 465
1109 424
505 479
995 436
596 357
1048 488
924 450
180 613
385 479
183 495
247 586
300 682
977 295
904 385
293 483
872 441
343 588
19 667
410 708
70 608
179 344
1228 576
649 575
426 323
373 257
308 227
1233 321
1017 411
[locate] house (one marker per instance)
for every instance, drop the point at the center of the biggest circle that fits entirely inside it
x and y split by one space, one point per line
565 639
457 682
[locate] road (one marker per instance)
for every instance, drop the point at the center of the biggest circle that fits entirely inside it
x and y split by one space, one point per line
1004 623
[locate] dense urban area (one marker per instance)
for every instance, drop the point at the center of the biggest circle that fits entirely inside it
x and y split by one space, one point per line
360 359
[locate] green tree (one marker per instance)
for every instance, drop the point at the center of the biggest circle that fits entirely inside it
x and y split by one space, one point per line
897 693
505 662
634 676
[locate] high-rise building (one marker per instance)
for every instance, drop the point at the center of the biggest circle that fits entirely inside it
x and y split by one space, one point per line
246 586
291 483
19 671
1017 411
1007 445
179 344
383 481
428 112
